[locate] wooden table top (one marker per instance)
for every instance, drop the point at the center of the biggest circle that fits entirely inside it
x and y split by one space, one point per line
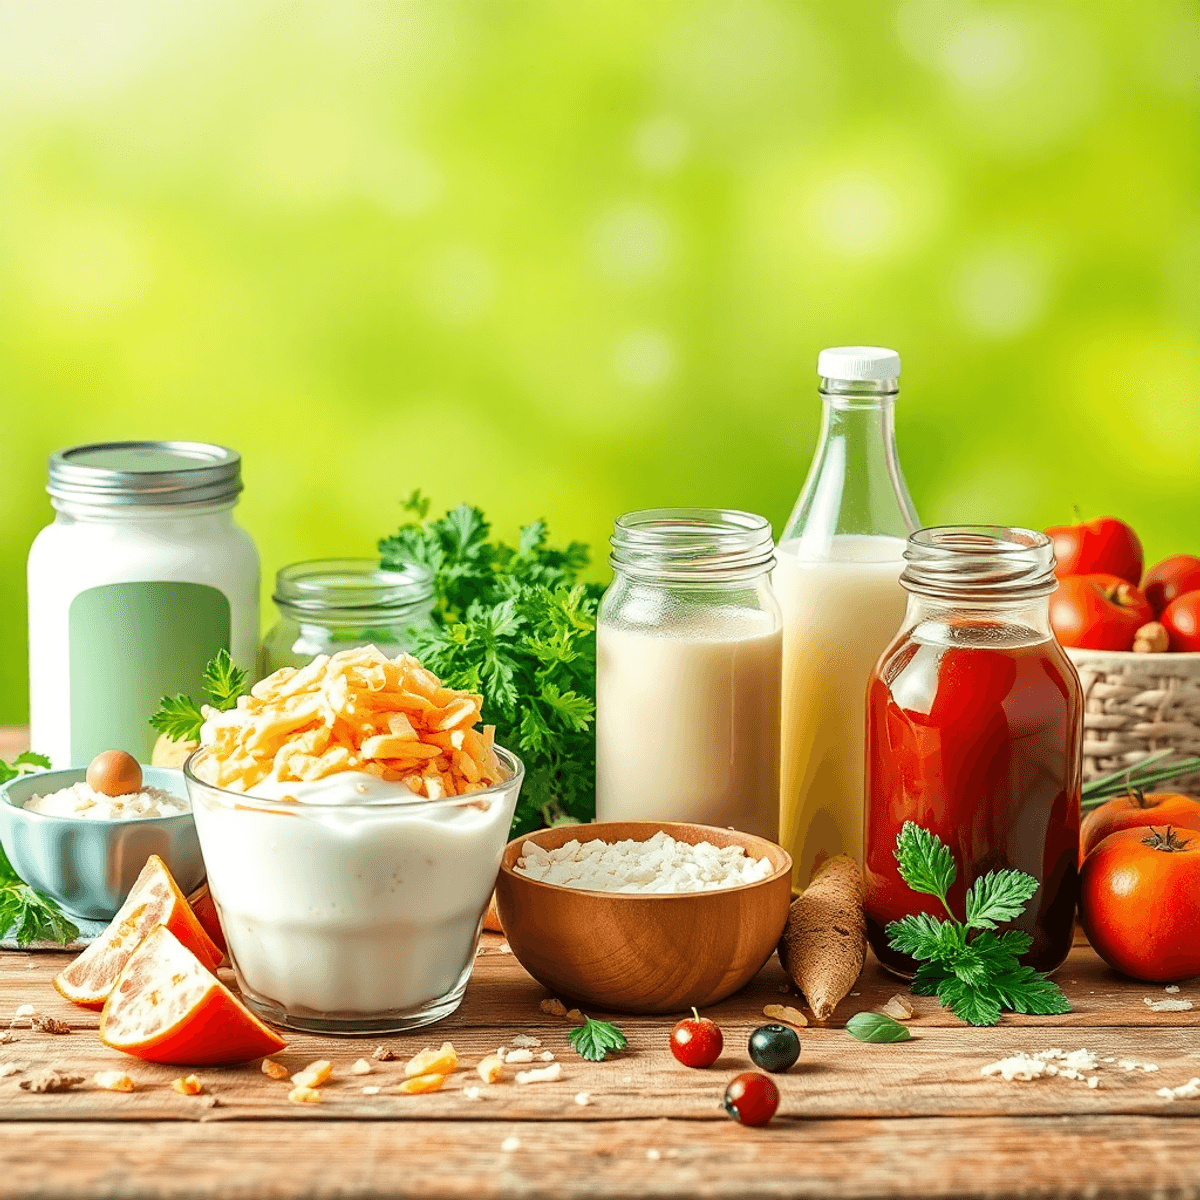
864 1122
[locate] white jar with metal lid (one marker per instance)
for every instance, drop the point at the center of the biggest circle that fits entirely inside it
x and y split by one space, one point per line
140 579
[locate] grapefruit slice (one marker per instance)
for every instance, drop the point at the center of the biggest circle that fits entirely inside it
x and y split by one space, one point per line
205 908
154 900
167 1007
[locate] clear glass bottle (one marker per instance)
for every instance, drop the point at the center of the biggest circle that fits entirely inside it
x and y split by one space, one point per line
837 580
688 652
975 732
333 604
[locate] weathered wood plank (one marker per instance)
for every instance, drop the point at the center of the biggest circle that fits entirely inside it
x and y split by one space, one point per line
1097 1158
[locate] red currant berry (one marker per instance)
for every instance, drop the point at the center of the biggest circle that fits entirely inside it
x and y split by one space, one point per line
751 1098
696 1041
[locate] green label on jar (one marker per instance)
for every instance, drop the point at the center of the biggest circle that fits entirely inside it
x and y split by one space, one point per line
131 644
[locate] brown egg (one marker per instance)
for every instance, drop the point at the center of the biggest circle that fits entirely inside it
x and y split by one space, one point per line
114 773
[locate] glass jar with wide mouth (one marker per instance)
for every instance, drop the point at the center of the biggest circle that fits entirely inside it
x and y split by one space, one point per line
141 578
974 732
331 604
688 661
355 917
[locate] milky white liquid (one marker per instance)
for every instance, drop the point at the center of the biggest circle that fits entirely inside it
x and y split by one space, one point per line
838 617
687 722
365 913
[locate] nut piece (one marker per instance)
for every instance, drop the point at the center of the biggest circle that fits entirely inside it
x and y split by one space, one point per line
553 1008
421 1083
314 1074
188 1085
491 1069
273 1069
786 1014
382 1054
433 1062
40 1023
1152 638
113 1081
898 1009
519 1056
541 1074
304 1095
361 1067
51 1081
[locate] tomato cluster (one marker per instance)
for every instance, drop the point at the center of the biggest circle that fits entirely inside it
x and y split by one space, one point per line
1099 604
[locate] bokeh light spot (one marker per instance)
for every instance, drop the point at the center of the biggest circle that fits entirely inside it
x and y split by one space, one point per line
632 244
644 359
1001 291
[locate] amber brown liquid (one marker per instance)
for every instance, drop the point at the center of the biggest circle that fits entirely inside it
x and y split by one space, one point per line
982 746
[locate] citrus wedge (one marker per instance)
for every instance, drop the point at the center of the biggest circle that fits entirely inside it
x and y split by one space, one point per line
205 908
167 1007
154 900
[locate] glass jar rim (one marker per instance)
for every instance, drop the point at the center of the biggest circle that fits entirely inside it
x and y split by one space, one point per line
692 544
980 563
350 586
511 763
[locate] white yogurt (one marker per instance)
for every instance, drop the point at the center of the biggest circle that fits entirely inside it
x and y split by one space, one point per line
350 905
80 800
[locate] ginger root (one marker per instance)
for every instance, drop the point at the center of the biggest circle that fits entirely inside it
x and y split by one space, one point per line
824 943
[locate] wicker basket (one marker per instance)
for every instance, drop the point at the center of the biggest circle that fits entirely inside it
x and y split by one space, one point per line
1136 704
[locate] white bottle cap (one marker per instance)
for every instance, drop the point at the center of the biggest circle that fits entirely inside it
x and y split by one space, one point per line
858 362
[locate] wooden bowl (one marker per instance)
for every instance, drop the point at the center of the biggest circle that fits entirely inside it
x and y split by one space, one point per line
656 953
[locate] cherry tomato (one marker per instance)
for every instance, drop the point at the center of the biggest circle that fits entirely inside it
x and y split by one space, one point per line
774 1048
1104 546
1139 902
1098 612
751 1098
696 1041
1181 619
1171 578
1136 811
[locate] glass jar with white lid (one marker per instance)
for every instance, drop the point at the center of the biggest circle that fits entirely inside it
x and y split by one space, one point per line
333 604
689 654
140 579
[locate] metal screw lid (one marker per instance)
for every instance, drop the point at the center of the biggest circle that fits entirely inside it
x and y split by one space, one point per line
122 474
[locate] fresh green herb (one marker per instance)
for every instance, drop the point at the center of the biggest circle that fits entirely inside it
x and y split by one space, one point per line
518 627
596 1040
180 717
876 1027
25 914
1141 776
976 975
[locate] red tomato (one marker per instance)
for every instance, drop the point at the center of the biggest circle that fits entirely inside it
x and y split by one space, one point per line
1104 546
1098 612
1170 578
1139 901
1136 811
1181 620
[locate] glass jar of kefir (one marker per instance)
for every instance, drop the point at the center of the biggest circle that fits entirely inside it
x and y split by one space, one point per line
141 578
689 654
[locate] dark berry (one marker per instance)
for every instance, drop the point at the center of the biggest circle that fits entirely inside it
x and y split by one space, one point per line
774 1047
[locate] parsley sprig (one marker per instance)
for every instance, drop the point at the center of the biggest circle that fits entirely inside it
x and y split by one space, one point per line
517 626
180 718
971 969
25 914
596 1040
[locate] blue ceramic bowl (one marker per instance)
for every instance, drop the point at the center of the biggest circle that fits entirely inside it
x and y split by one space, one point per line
89 866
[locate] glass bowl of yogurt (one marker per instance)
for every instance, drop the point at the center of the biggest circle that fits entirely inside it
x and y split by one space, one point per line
351 905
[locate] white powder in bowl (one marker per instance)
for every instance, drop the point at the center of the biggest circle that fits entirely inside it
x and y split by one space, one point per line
659 865
80 800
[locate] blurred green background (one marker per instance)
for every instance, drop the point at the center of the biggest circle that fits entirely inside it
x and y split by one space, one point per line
572 257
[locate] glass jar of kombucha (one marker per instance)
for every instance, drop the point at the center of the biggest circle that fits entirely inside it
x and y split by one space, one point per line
974 732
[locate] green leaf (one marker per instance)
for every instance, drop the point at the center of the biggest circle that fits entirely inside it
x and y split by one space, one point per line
179 717
975 1005
929 977
223 681
922 936
595 1040
1025 990
876 1027
998 896
926 864
24 764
